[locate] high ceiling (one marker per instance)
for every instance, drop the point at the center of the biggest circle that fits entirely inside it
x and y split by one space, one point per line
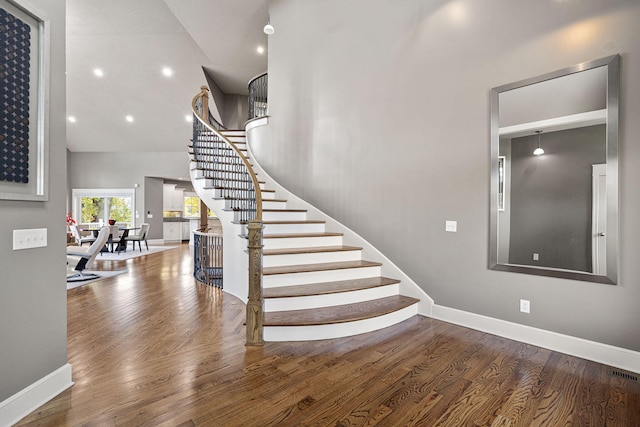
131 42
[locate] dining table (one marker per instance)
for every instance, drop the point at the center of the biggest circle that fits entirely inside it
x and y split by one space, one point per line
121 244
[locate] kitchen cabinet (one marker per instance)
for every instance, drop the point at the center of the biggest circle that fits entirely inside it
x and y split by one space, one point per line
172 198
186 230
172 231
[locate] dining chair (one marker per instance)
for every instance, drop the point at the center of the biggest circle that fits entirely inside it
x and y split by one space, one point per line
114 237
80 240
139 237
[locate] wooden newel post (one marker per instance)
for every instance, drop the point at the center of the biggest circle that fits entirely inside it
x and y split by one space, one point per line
204 216
255 305
205 102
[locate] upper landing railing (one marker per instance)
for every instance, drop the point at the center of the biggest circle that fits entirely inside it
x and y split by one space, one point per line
258 88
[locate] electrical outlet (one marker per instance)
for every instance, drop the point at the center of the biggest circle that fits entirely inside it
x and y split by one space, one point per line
536 257
451 226
525 306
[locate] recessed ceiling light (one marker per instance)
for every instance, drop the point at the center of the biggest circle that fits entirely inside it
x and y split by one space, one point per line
260 49
129 119
188 118
167 71
72 119
98 72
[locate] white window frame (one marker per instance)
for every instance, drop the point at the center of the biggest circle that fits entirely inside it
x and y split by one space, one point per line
78 193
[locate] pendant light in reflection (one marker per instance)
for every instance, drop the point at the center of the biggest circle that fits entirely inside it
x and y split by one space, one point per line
538 151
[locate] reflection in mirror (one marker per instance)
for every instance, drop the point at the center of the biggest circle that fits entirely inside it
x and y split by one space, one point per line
554 186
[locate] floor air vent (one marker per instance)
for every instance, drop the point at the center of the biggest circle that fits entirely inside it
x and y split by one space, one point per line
624 375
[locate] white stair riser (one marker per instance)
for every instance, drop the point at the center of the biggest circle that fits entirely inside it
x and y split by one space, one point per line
218 193
301 242
323 332
283 216
293 228
311 258
208 182
319 276
266 196
268 204
329 300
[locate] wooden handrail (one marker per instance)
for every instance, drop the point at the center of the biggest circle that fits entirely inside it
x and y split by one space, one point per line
255 303
204 94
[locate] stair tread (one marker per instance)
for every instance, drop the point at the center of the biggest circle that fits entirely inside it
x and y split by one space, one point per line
228 179
324 266
302 221
310 250
282 210
296 235
263 200
220 187
339 314
327 287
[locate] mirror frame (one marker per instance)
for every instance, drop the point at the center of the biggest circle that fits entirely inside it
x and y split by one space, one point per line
613 99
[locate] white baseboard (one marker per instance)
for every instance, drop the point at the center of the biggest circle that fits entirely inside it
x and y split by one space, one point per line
37 394
598 352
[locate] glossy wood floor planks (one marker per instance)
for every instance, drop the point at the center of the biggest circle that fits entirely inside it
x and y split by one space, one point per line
153 348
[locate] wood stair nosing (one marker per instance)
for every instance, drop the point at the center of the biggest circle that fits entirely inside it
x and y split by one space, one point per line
224 187
240 198
325 288
282 210
325 266
191 153
310 250
217 170
339 314
237 164
229 179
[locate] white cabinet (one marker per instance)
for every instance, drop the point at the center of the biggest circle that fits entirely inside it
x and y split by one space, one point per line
176 231
172 199
172 231
186 230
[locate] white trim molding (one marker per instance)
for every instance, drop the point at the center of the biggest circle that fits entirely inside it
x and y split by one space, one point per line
32 397
597 352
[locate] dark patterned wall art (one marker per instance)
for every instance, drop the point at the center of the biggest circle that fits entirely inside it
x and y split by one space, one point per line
15 59
24 79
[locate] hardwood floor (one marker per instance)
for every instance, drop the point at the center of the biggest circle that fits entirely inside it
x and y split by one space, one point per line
152 348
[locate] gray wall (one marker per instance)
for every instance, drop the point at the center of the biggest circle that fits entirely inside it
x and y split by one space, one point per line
231 110
551 198
124 170
153 202
380 117
236 111
33 296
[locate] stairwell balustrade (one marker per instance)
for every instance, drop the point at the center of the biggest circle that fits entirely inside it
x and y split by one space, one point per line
258 88
228 171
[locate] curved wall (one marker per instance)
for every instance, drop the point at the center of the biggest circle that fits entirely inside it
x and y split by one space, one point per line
380 117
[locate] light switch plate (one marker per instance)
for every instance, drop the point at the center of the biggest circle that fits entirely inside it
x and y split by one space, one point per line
451 226
28 239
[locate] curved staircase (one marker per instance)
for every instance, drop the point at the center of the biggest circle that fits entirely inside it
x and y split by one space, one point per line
314 285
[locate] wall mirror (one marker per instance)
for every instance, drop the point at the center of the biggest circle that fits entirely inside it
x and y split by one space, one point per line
554 173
